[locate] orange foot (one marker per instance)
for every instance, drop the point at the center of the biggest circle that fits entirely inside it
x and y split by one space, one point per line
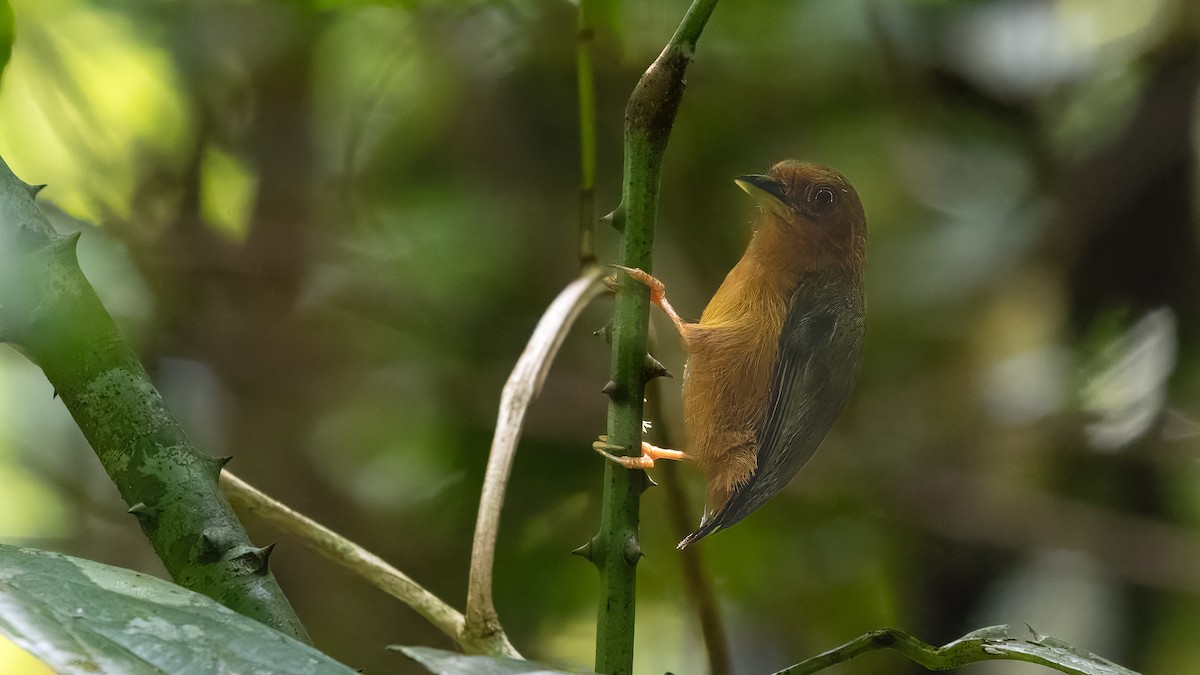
658 296
658 291
650 453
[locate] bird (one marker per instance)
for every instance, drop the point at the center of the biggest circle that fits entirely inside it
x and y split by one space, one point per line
773 359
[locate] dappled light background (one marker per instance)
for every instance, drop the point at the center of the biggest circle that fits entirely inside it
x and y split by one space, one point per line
330 226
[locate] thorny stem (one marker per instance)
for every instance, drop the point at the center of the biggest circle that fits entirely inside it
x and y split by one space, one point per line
55 319
615 550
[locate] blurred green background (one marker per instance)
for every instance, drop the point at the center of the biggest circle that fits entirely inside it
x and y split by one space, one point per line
331 226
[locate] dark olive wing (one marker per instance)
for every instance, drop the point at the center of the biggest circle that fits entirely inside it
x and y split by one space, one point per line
819 354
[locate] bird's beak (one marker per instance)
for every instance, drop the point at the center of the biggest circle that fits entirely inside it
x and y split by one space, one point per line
767 191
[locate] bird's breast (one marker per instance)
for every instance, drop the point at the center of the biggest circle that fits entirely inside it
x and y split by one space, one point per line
727 381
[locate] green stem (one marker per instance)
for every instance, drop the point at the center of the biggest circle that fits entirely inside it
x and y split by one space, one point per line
53 316
615 550
587 136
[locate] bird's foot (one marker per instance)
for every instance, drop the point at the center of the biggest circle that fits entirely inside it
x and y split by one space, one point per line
650 453
658 291
658 296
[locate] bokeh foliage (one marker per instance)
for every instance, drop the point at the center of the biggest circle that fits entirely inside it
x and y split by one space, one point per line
330 226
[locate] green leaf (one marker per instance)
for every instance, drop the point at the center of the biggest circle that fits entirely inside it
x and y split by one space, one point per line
1046 650
443 662
986 644
79 616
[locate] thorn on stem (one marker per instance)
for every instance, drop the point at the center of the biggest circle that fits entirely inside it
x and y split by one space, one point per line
584 551
214 464
647 482
633 550
264 557
66 245
605 332
616 218
654 368
212 546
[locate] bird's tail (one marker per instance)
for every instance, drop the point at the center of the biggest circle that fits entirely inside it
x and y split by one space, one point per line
744 500
708 525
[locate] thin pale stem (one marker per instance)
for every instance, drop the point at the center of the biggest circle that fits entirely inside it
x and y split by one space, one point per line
522 387
249 500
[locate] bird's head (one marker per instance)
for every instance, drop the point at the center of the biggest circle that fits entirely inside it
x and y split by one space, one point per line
813 205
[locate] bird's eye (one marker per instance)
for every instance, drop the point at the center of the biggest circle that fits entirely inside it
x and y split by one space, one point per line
822 197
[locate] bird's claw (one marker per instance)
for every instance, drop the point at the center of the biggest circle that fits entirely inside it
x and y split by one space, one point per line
657 290
602 446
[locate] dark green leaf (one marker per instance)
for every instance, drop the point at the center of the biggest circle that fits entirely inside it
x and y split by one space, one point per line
986 644
79 616
1042 649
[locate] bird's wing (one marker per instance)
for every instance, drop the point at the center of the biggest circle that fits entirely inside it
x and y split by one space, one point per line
814 371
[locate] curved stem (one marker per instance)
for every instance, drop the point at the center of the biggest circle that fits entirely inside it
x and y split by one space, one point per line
249 500
522 387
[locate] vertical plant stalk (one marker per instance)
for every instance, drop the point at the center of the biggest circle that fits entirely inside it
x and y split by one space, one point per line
615 550
587 135
52 315
524 383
